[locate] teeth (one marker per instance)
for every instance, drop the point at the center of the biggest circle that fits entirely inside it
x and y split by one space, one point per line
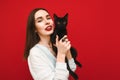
49 27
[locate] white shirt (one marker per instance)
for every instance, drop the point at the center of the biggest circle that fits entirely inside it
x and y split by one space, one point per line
43 66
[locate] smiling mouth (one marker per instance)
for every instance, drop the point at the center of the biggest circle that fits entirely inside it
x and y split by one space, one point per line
48 28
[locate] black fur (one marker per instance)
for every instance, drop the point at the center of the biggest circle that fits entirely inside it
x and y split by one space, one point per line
60 30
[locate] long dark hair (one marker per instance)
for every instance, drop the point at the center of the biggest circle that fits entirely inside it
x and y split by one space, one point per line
32 37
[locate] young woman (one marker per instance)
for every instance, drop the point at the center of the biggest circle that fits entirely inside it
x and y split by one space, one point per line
43 62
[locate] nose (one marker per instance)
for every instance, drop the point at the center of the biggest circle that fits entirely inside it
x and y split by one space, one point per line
47 22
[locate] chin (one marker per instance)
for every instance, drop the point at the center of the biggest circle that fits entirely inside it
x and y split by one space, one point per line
50 32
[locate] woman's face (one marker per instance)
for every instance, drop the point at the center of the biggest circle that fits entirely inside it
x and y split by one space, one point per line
43 23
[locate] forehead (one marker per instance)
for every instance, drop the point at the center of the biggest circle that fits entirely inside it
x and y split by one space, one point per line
41 13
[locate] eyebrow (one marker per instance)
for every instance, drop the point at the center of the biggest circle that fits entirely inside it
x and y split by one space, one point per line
41 17
47 15
38 18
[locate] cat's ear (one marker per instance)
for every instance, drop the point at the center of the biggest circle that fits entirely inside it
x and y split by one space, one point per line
66 16
55 16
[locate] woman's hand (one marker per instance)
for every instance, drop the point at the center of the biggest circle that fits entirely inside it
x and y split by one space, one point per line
68 55
63 45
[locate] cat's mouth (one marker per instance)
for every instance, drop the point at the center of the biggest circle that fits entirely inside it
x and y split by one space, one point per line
48 28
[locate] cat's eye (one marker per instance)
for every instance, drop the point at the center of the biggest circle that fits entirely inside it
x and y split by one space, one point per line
64 22
58 22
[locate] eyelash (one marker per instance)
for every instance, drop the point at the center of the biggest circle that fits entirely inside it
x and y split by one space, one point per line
39 20
49 18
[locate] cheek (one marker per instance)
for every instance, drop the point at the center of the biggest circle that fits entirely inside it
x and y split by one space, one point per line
39 27
52 23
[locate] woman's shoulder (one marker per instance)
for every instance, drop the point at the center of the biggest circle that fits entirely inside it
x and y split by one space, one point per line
36 49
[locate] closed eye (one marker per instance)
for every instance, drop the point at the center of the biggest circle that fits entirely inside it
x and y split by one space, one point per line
39 20
58 22
64 22
48 17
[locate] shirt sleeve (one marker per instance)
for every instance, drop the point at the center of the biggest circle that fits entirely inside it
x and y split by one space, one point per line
41 70
72 64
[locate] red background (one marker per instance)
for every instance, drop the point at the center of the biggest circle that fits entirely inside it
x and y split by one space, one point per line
94 30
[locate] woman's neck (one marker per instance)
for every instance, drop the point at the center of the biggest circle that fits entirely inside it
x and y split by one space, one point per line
45 40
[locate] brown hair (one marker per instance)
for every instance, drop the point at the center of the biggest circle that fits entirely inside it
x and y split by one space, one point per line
32 37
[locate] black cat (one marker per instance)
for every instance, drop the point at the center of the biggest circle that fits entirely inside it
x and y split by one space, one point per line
60 30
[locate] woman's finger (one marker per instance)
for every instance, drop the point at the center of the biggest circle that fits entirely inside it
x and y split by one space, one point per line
63 39
57 39
68 42
69 46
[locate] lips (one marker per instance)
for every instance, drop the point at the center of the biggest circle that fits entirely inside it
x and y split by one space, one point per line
48 28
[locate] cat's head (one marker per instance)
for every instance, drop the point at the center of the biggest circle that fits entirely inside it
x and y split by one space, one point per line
61 22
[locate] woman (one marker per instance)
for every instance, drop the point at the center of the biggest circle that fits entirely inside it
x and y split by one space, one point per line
43 62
